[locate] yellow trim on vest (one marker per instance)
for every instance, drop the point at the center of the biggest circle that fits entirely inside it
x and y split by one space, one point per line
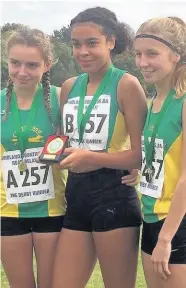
6 209
57 206
119 136
172 161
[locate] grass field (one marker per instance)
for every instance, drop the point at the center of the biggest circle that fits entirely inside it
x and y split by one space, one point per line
96 279
94 282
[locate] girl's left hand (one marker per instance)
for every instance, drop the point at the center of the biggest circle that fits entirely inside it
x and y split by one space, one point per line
160 259
76 160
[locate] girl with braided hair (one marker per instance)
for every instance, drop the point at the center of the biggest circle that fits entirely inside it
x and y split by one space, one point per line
32 195
160 46
100 108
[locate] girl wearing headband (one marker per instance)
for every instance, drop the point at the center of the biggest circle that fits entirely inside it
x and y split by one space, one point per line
160 47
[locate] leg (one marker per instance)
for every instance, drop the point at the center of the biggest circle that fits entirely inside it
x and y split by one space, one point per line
176 279
117 252
151 278
116 223
46 233
17 260
75 259
45 247
177 262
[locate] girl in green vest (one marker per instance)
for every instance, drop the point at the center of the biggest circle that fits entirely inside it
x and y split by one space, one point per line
101 108
32 194
160 46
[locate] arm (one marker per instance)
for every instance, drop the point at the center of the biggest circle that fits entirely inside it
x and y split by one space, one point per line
65 90
62 93
132 103
178 205
162 251
58 91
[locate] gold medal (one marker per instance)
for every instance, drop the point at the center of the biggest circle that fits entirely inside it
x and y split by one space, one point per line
22 166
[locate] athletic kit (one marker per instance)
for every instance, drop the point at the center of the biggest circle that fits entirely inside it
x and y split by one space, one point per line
32 194
166 169
96 200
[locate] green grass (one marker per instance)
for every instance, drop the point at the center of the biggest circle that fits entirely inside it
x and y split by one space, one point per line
95 281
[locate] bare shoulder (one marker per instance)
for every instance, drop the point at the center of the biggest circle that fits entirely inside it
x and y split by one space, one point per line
58 92
130 91
65 89
131 86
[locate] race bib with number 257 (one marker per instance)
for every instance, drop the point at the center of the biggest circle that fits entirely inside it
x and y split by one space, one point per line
33 185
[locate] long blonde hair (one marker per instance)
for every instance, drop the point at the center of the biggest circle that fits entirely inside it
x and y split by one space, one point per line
173 30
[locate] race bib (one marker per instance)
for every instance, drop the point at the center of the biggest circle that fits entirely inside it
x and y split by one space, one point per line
153 189
96 132
33 185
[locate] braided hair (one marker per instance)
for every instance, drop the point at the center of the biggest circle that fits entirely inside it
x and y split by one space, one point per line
46 87
31 38
9 89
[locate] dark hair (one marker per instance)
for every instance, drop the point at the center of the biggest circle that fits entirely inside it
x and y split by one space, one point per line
32 38
123 33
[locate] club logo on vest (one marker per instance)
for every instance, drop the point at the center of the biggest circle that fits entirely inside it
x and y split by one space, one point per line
37 138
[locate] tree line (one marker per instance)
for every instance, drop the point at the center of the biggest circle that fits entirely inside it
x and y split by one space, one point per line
65 66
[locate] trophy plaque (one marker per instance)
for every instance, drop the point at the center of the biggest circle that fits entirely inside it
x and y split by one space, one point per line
52 152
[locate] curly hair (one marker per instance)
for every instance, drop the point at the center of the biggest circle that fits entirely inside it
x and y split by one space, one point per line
107 19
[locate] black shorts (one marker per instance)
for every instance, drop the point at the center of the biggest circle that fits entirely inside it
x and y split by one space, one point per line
150 237
97 201
11 226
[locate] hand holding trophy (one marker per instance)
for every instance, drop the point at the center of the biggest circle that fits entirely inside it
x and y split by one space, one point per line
52 152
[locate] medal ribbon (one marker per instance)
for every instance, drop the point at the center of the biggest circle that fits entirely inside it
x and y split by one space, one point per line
22 136
149 144
83 118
